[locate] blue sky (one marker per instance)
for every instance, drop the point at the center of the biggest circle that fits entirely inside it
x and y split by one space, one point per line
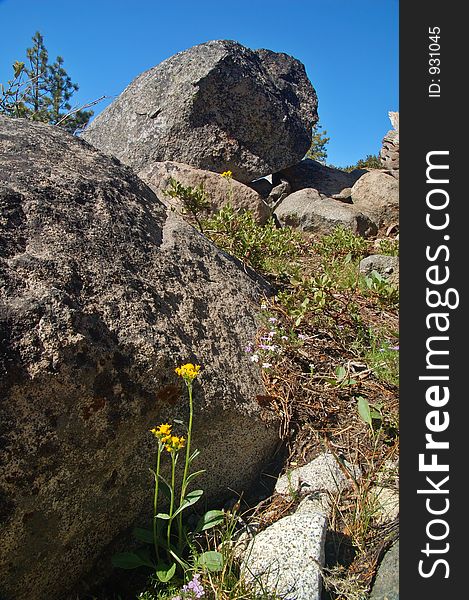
349 48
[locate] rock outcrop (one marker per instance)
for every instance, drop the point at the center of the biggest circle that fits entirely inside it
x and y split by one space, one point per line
376 194
262 186
216 106
327 181
389 153
220 191
309 211
103 293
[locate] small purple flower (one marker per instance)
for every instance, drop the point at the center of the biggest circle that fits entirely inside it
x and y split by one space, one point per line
248 348
394 347
272 320
268 347
194 588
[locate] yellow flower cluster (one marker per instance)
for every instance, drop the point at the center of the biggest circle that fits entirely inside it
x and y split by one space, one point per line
188 372
171 442
227 174
175 443
163 432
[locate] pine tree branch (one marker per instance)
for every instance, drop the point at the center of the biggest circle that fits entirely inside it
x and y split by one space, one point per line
75 110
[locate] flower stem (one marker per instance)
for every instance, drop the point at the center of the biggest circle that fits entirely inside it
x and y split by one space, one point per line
186 462
155 502
171 505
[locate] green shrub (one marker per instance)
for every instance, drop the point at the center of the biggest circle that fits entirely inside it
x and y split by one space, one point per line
376 285
389 247
265 248
342 243
194 200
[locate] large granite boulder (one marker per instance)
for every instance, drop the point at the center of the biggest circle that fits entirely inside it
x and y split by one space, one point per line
217 106
376 194
328 181
309 211
220 191
102 294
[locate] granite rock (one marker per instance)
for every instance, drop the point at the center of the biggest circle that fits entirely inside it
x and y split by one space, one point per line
287 557
322 474
220 191
217 106
389 153
309 211
386 266
386 585
376 194
328 181
103 293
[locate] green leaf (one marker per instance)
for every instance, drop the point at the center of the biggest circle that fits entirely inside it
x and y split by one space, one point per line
163 516
143 535
131 560
165 487
194 455
194 475
165 572
163 484
340 373
211 560
192 497
189 500
210 519
364 410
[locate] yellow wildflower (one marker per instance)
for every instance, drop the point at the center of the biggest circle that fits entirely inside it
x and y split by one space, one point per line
188 372
163 432
174 443
180 443
165 428
227 174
